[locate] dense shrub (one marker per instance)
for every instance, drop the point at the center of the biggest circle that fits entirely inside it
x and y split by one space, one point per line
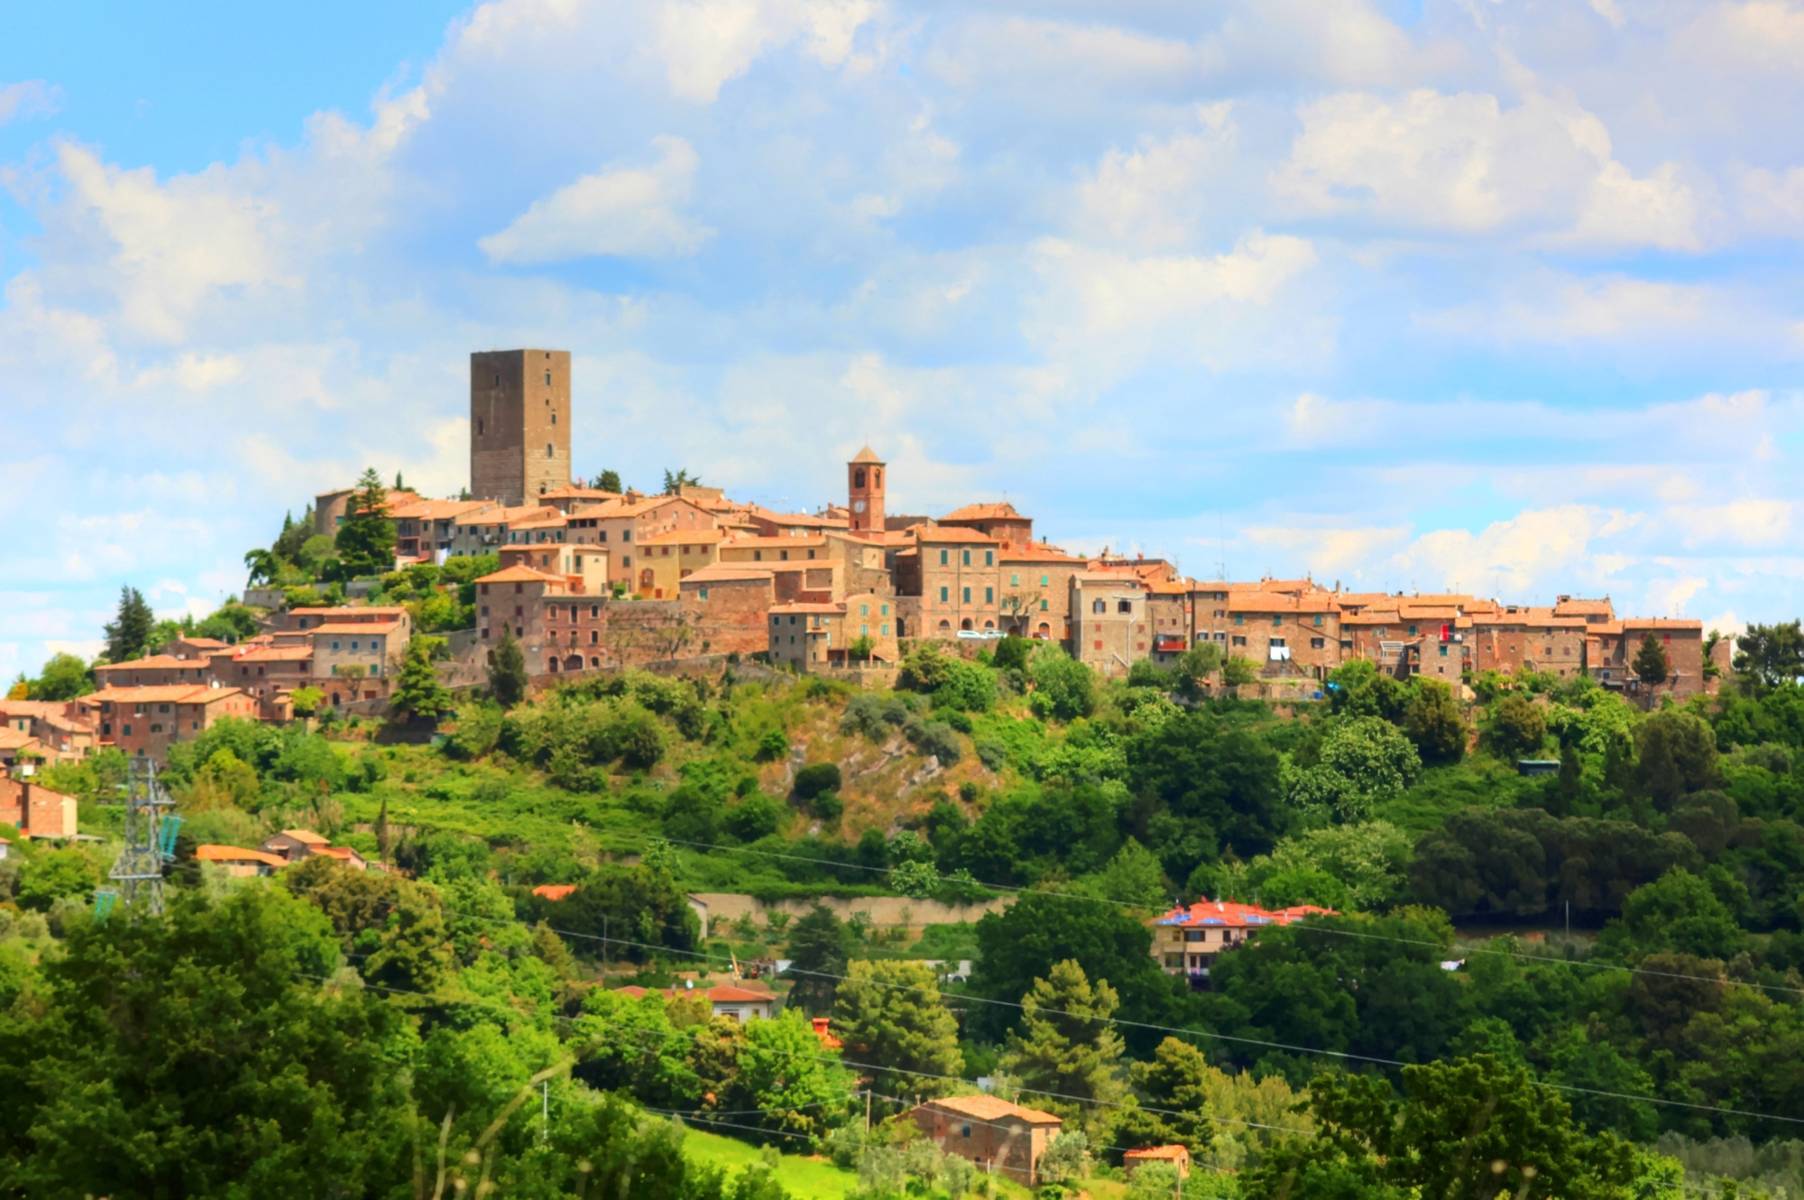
816 778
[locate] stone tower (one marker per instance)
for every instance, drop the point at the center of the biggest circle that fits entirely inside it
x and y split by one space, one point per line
519 423
864 491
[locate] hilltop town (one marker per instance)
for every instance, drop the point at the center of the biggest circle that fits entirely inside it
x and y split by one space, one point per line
588 578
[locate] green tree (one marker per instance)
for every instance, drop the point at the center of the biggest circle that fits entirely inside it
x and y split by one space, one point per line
1431 718
608 481
307 700
366 541
1677 913
676 481
56 874
1067 1045
1768 656
1201 785
890 1013
1470 1127
261 567
200 1055
1195 667
64 677
1363 762
418 695
1514 726
819 945
1174 1088
1155 1181
1064 688
1651 664
796 1089
1040 929
507 670
1239 671
1675 755
128 633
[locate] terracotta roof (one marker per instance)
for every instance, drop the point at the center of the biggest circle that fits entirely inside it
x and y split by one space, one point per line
1572 606
212 852
574 492
437 510
807 520
1427 612
723 993
1661 623
305 836
1370 617
542 520
1231 915
554 891
1000 511
520 575
356 628
1281 602
731 573
867 455
1169 587
14 739
957 534
351 610
610 509
282 653
340 852
1038 552
1172 1153
154 662
776 542
993 1108
500 515
831 609
1110 578
172 693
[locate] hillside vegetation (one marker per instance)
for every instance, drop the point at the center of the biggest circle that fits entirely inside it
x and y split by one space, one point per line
1442 1022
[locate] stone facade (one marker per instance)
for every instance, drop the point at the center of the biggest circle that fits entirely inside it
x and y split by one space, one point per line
1110 631
519 424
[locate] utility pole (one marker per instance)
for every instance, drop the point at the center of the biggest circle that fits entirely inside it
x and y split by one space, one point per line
1568 920
867 1110
544 1111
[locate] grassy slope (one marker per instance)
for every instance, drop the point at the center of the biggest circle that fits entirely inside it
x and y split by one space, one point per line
805 1177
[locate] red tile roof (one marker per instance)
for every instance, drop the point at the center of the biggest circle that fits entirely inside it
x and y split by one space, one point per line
1000 511
211 852
519 574
993 1108
1228 914
554 891
172 693
867 455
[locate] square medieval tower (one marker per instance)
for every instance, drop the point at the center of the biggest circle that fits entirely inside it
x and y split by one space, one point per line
519 424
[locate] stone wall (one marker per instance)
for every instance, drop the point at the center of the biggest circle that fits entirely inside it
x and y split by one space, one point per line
883 912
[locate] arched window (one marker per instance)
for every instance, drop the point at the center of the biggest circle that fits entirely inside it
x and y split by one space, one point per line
554 663
858 477
945 626
965 624
876 476
1099 606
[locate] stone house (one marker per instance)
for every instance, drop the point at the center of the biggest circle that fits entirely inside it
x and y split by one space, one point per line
989 1131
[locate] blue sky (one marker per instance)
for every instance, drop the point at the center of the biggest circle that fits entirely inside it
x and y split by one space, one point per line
1486 294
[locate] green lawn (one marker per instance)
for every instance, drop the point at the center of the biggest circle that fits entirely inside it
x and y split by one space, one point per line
804 1176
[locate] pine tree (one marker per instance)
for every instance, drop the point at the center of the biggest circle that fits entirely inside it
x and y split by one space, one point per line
1651 665
507 670
418 693
382 844
608 481
366 540
1066 1045
128 634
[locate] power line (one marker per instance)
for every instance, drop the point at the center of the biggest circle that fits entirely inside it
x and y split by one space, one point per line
1311 926
1127 1023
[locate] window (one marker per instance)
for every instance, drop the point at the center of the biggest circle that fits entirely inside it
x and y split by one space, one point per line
1099 643
353 645
864 610
965 556
554 419
1318 620
626 535
1124 606
1042 606
1239 639
944 595
943 559
883 610
1277 621
478 426
1412 631
989 558
883 629
1443 649
595 609
1317 643
1014 581
1279 642
1240 619
989 595
334 645
1045 581
864 631
701 593
127 729
548 452
1099 606
548 379
967 592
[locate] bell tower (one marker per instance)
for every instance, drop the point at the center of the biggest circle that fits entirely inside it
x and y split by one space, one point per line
864 492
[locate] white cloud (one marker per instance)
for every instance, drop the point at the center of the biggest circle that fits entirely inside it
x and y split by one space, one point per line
1752 523
1154 196
1467 164
706 43
1528 554
193 372
27 98
629 212
1773 201
1583 309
